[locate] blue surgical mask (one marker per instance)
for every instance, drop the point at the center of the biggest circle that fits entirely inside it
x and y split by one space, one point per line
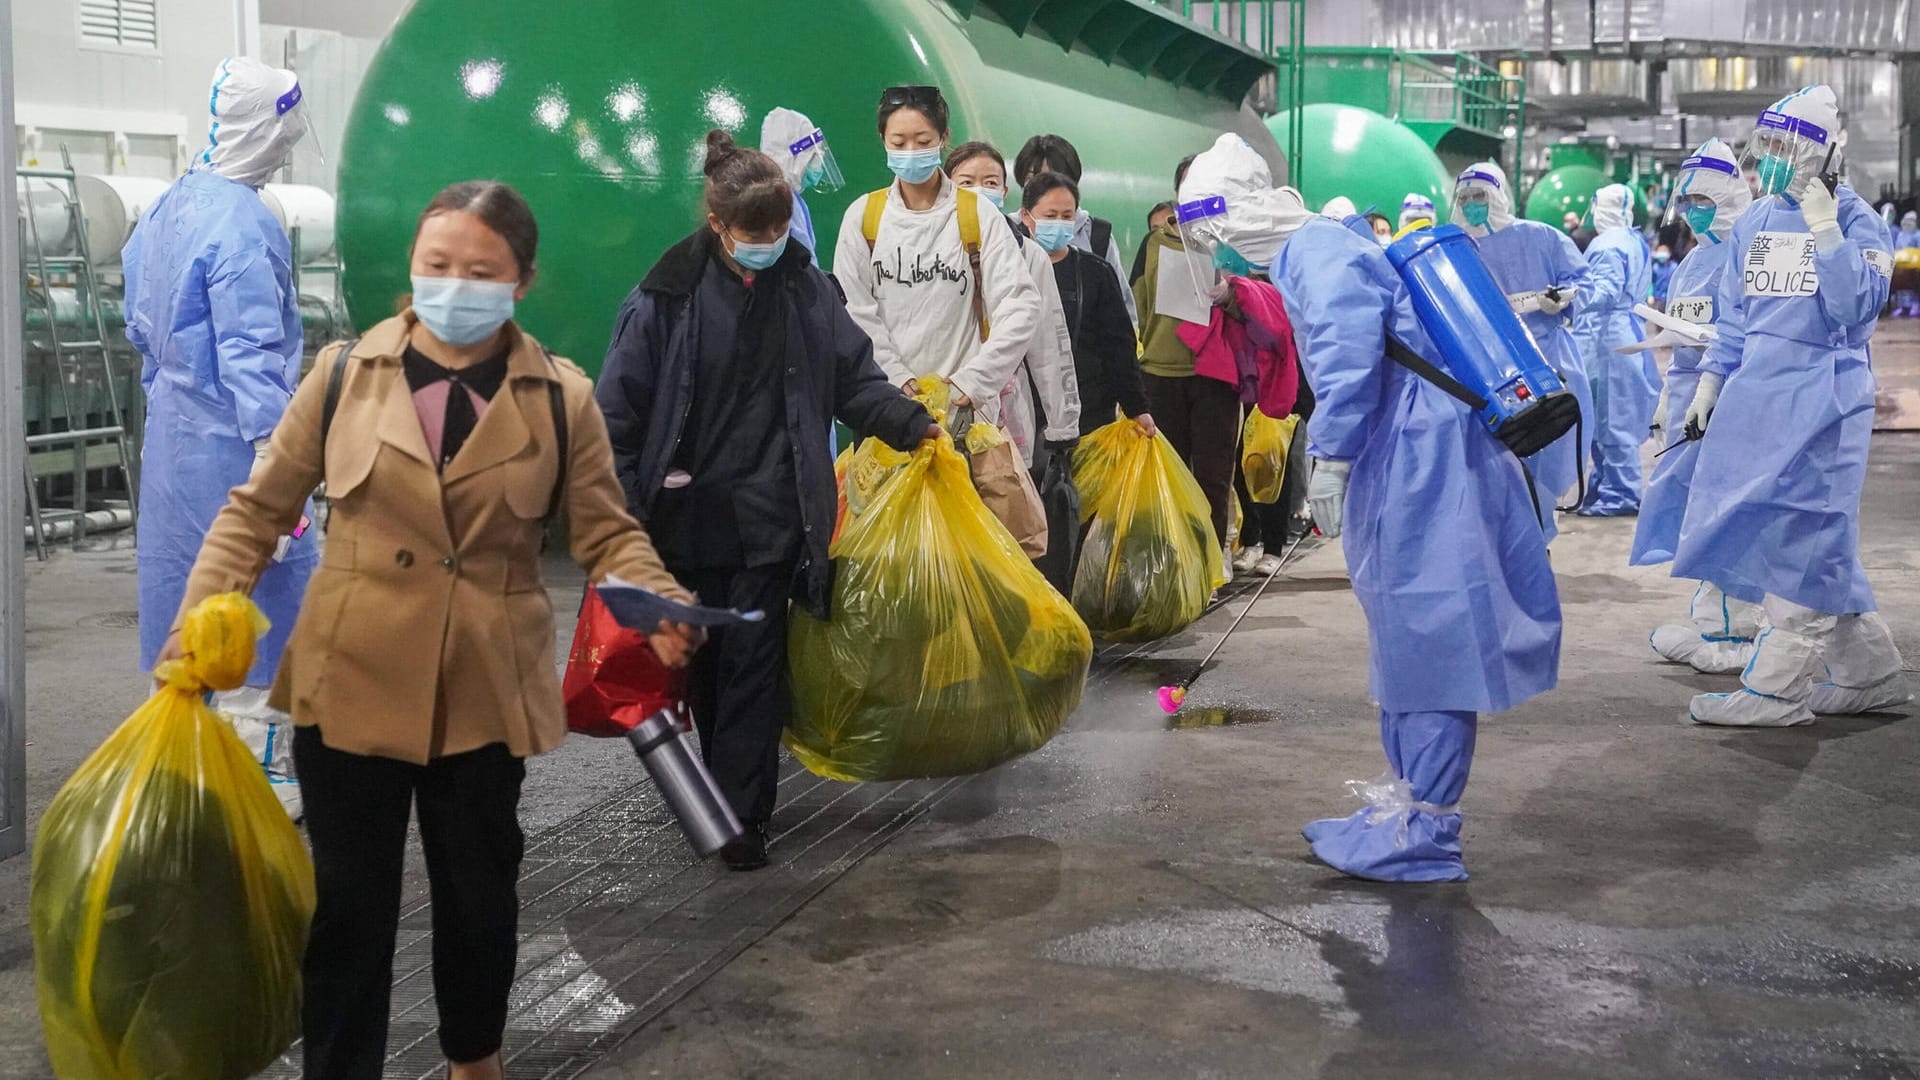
1700 220
993 195
1053 236
1775 172
461 311
1226 258
914 166
757 257
1475 213
815 171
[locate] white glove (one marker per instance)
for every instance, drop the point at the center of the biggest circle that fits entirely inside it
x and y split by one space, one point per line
259 457
1701 409
1554 307
1660 407
1822 212
1327 495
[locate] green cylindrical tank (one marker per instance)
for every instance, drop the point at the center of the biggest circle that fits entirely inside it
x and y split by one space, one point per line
1347 150
1571 188
597 112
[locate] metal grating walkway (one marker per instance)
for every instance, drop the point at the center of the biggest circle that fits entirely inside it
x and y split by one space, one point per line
618 920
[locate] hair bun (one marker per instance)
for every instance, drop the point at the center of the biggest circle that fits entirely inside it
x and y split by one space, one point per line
720 147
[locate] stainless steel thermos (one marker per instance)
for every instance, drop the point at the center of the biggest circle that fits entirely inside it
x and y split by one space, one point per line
685 783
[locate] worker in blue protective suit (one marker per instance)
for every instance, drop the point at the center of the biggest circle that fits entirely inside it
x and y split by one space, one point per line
1542 273
1906 302
1709 196
801 151
1416 207
1785 400
1625 388
1445 553
210 306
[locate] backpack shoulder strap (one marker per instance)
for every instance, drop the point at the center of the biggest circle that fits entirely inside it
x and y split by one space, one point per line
1427 370
876 205
335 376
1102 237
967 211
557 400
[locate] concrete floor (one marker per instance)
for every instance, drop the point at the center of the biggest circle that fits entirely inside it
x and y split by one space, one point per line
1649 899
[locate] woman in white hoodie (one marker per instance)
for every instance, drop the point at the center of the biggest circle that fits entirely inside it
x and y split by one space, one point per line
932 306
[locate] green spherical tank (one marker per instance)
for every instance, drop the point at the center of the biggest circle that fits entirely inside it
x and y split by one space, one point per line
598 115
1347 150
1570 188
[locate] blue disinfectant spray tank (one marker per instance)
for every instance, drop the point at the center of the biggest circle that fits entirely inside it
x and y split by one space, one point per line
1482 348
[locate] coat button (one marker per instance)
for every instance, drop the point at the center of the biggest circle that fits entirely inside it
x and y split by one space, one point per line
403 557
449 564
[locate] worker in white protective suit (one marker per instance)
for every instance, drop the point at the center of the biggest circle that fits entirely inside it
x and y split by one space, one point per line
1416 207
210 306
1339 208
1786 403
801 151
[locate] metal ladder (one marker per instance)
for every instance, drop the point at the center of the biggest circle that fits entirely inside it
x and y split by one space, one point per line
77 363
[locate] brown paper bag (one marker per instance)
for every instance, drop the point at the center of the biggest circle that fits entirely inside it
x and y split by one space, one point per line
1006 486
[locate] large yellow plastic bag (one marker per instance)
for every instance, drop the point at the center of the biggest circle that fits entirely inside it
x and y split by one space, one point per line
171 896
1263 454
947 652
1151 560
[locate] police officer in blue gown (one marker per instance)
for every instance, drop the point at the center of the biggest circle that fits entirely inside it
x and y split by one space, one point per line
1709 195
1786 402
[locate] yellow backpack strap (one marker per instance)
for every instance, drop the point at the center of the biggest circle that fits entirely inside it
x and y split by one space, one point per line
870 221
967 209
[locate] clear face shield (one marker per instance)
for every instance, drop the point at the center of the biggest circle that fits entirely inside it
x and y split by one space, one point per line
1787 152
815 163
1187 279
1475 203
1693 201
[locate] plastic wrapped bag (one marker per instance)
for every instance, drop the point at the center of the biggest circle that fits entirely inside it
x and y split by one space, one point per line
947 652
1263 454
1150 560
171 896
614 680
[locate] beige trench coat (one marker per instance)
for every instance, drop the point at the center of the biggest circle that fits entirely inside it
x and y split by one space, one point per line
426 630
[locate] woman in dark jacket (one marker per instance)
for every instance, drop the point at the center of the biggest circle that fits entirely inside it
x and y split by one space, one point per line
1105 357
729 363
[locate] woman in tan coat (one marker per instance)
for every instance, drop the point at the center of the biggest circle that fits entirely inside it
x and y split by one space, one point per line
421 669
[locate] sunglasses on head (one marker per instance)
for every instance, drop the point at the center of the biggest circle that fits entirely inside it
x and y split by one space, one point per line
918 97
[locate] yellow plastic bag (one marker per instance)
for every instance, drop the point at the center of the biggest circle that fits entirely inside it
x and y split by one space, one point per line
171 896
1263 454
1151 559
947 652
1906 259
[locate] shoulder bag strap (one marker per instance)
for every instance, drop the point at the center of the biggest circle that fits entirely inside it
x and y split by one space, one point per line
335 377
967 211
876 205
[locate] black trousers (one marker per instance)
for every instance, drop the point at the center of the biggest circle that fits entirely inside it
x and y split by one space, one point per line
1201 418
357 809
737 684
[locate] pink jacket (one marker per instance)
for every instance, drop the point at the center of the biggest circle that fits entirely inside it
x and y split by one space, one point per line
1253 352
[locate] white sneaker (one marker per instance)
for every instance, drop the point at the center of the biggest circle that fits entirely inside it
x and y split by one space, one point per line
1248 556
1832 699
1744 708
1685 645
1267 566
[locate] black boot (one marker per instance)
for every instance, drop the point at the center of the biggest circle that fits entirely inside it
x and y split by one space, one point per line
750 851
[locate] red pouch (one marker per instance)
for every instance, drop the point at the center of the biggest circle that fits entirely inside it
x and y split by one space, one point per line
614 681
